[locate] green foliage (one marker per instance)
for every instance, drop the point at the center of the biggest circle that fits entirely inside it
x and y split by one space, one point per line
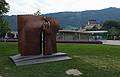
4 7
114 31
111 23
4 27
113 28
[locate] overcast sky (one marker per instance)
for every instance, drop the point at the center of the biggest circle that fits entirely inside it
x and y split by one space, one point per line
51 6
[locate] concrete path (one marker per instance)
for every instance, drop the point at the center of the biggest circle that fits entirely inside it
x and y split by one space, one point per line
111 42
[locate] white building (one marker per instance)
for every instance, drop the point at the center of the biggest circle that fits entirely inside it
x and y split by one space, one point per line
91 24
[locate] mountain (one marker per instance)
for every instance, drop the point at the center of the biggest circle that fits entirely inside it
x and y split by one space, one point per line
81 18
77 19
12 20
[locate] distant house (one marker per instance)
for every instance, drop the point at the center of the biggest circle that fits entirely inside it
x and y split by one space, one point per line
92 24
68 35
81 35
90 32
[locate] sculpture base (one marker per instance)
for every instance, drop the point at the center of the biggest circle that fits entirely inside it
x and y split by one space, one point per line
26 60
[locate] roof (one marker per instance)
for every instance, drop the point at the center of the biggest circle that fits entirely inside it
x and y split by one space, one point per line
72 31
94 31
78 31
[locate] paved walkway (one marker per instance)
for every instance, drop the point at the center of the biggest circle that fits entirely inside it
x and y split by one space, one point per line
111 42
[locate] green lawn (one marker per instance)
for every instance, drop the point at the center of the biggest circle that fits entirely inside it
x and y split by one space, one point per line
91 59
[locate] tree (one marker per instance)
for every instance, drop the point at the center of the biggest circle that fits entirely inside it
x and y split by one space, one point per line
113 28
110 23
38 13
4 26
4 7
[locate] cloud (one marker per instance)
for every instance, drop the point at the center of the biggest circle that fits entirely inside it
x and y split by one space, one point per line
50 6
23 6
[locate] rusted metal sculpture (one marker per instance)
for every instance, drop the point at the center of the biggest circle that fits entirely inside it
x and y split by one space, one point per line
31 30
37 40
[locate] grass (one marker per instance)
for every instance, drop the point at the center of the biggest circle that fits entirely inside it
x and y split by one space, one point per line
91 59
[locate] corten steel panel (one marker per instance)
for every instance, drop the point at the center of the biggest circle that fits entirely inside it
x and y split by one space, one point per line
50 37
30 29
